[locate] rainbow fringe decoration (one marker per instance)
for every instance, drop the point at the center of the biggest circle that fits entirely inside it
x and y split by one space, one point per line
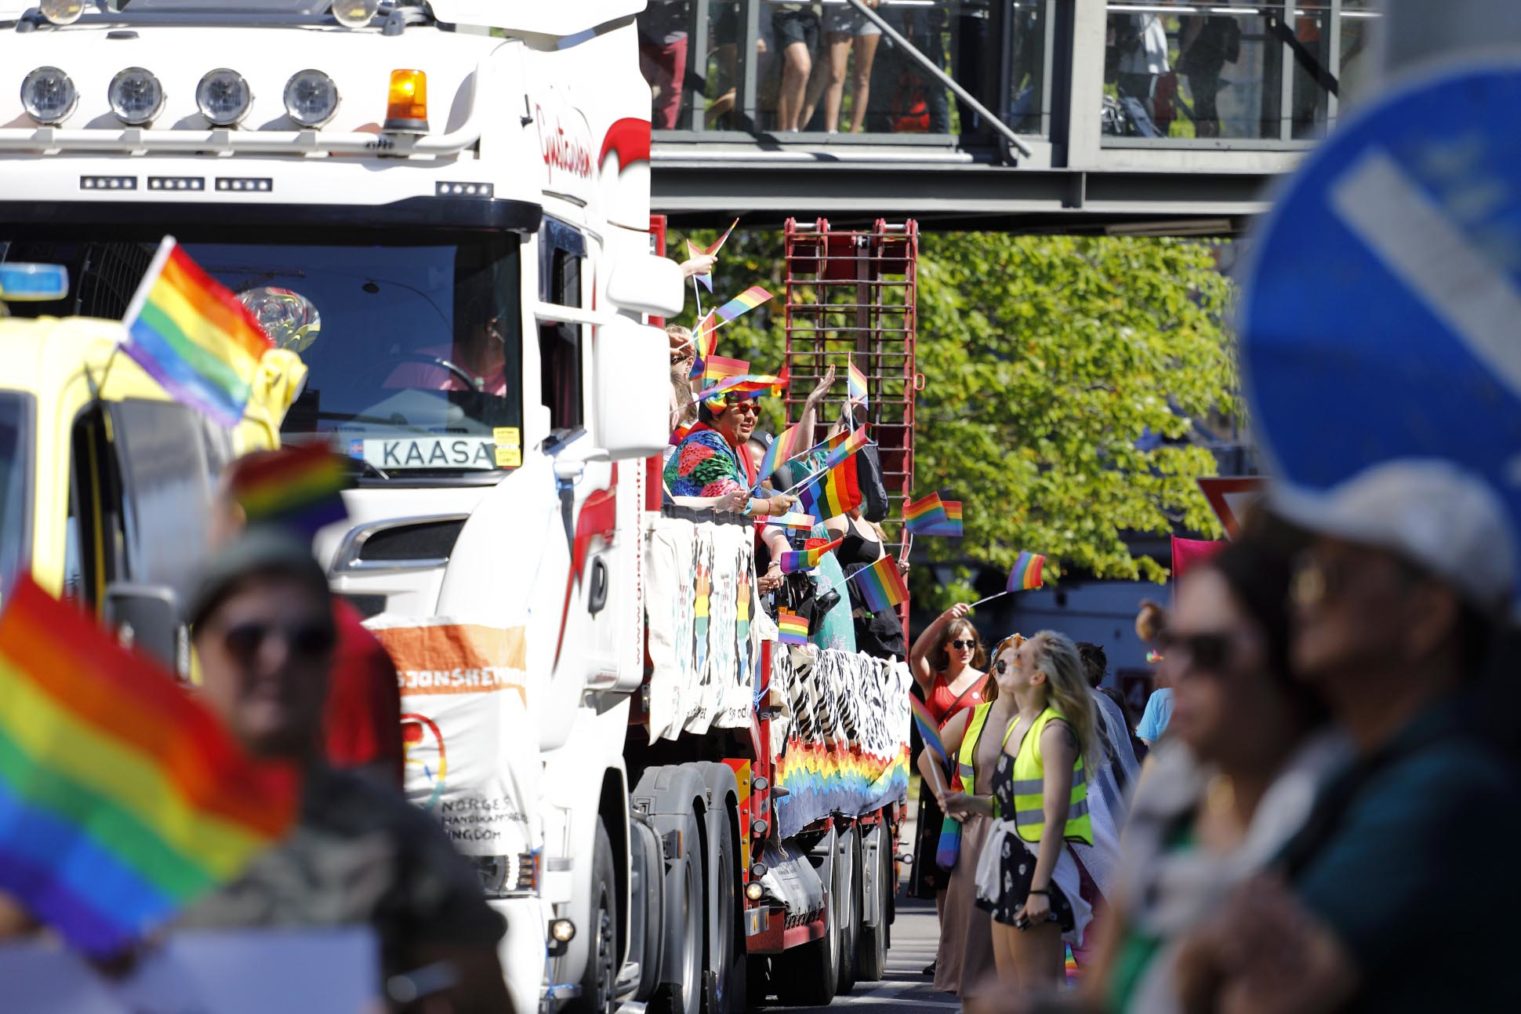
693 250
831 493
193 336
299 488
1026 573
855 383
122 798
929 729
742 304
881 584
794 629
797 561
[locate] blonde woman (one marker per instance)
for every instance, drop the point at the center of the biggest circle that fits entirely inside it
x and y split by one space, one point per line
1027 876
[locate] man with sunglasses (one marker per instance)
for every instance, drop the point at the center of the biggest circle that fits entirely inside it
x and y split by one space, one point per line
1396 894
262 623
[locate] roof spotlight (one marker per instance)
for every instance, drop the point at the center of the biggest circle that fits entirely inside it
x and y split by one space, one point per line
136 96
311 98
61 12
355 13
223 97
48 96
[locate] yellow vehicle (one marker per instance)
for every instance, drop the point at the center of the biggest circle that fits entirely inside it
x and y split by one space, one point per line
106 482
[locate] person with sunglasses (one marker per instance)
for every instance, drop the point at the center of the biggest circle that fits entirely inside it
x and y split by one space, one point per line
262 623
949 664
973 739
1396 894
1250 745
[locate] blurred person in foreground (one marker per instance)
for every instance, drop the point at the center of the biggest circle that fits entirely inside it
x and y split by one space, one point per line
1394 896
1027 876
362 720
1150 626
359 854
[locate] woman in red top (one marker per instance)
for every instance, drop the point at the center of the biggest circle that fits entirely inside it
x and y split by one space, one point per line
949 665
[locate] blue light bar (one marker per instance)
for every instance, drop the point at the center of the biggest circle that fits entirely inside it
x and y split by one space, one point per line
33 283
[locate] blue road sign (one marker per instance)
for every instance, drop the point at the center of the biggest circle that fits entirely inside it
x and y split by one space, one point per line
1382 314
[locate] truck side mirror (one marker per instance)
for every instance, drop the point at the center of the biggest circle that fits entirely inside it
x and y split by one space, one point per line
147 616
648 284
632 389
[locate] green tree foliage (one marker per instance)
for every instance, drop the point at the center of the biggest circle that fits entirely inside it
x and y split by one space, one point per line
1047 359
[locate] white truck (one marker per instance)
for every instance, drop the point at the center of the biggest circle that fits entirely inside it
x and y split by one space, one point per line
443 206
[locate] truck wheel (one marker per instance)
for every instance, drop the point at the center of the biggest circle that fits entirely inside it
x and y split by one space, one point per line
871 951
685 996
847 881
599 982
728 961
806 976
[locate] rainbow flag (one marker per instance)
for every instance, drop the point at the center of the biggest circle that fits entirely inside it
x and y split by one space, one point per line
1025 574
122 798
783 448
832 492
704 340
742 304
795 521
806 559
855 383
746 383
693 250
297 487
193 336
881 584
929 729
794 628
922 516
849 444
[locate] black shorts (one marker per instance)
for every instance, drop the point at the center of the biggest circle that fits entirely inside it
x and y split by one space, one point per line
796 26
1016 869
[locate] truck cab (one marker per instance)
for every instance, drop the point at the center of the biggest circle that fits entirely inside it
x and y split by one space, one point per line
106 482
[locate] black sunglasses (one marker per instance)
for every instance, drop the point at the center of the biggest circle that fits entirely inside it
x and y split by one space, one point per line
306 640
958 644
1001 667
1207 651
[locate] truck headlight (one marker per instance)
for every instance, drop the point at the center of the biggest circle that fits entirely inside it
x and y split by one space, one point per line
48 96
223 97
355 13
311 98
61 12
136 96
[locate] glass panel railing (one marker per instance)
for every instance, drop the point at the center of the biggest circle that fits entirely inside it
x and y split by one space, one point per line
1181 71
823 71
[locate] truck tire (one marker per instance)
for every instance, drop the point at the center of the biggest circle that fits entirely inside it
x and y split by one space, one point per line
685 995
847 881
599 981
871 946
807 975
729 959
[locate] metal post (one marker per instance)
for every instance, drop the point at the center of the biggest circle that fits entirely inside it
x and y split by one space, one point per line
944 78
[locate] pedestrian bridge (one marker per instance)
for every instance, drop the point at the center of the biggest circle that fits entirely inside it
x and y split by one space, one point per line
1167 117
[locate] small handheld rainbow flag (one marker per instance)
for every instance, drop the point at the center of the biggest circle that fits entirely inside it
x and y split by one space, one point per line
704 340
806 559
742 304
193 336
795 521
1025 574
931 516
881 584
852 442
929 729
122 798
299 487
717 369
693 250
832 492
794 628
783 448
855 383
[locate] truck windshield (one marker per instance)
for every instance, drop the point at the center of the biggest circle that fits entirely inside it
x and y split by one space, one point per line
414 348
15 486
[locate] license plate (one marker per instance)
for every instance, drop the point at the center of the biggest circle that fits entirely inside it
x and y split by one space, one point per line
431 452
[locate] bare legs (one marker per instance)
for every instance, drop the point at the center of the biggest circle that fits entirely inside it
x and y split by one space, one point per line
866 55
830 85
797 63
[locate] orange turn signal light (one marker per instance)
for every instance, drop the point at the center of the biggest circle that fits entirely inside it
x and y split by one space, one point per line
407 102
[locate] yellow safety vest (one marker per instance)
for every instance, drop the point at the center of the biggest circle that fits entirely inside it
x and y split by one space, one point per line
1030 786
966 759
